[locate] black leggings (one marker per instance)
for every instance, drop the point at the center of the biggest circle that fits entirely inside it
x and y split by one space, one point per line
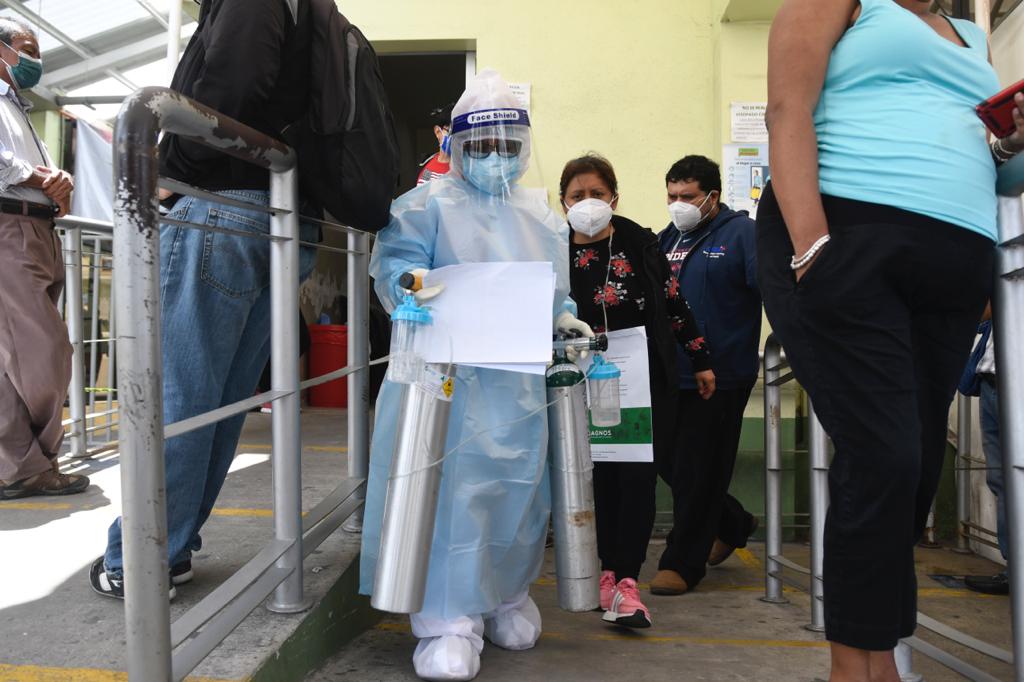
877 331
624 501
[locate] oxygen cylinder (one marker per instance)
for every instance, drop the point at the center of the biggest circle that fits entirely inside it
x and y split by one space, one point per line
410 507
572 484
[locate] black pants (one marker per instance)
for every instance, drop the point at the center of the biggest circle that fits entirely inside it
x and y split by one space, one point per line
624 502
877 331
707 435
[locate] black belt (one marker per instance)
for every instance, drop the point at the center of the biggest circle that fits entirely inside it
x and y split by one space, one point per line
27 208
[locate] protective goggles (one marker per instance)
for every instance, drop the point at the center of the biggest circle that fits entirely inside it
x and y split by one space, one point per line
481 149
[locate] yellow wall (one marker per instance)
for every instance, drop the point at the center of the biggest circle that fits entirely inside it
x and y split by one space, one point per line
49 127
743 65
635 82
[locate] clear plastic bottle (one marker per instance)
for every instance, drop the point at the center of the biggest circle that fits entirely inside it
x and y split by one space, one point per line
405 365
603 381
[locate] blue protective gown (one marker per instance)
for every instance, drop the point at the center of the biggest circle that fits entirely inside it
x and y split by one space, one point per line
495 497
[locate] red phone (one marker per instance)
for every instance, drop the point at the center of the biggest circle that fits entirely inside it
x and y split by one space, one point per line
997 111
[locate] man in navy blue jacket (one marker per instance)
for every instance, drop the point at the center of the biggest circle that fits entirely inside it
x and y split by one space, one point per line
711 251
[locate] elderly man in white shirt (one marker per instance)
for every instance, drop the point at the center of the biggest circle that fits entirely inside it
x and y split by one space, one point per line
35 355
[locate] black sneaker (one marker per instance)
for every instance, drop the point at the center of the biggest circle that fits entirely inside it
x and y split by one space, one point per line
112 586
181 572
988 584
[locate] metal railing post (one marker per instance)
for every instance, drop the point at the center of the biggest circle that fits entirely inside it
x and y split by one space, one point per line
284 368
905 663
818 456
358 356
111 358
963 473
140 376
74 319
1009 334
772 472
96 273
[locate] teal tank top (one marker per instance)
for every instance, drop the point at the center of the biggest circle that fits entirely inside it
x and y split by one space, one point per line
896 122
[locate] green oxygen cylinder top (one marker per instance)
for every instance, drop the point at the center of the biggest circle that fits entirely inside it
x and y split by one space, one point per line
563 373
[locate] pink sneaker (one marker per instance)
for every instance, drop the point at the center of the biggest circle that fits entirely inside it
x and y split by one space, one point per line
607 589
626 608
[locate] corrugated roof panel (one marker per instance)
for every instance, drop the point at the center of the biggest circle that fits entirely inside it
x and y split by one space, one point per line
80 20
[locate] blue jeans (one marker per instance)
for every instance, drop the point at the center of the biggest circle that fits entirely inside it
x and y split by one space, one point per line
215 337
994 460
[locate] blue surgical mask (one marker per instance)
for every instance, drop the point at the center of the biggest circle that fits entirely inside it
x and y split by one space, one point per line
446 144
493 174
27 72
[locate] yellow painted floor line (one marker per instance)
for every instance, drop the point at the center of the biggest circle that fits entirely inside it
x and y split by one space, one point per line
954 593
748 558
647 639
239 511
35 505
228 511
312 448
550 582
35 673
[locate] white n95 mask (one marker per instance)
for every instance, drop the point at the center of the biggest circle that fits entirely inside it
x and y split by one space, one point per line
589 216
686 216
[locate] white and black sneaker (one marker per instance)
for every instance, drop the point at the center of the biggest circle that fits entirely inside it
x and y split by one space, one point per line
181 572
113 586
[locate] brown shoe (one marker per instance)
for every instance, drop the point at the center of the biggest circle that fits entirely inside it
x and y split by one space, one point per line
668 583
719 552
50 482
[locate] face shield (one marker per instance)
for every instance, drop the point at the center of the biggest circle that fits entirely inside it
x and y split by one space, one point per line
490 139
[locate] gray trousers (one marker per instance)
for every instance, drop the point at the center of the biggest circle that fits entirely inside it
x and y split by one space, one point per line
35 354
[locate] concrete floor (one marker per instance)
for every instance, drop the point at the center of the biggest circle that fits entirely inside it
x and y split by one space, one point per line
54 629
720 632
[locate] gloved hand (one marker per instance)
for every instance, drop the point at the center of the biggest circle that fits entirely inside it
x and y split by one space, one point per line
568 323
425 293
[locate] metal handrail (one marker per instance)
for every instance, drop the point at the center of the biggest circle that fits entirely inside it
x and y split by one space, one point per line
156 651
775 561
1009 334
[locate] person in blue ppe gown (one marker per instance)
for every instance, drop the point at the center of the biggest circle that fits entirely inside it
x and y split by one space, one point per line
494 503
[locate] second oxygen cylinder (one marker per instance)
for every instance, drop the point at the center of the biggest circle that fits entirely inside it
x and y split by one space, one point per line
572 489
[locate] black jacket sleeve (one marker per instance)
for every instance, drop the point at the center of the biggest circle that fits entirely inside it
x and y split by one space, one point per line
684 326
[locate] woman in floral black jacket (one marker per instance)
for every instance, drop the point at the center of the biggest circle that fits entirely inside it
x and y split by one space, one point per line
620 279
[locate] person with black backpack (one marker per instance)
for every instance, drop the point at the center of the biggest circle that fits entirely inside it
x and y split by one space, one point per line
250 60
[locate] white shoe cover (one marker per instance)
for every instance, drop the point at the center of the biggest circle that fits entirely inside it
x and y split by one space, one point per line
448 649
514 624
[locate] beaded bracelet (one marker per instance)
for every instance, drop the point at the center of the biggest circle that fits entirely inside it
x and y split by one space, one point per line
797 263
1000 153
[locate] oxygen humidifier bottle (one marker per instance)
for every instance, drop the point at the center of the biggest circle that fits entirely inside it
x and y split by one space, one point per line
405 365
603 381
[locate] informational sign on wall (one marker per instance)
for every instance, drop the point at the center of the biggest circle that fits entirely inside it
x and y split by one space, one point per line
522 93
747 121
744 175
633 439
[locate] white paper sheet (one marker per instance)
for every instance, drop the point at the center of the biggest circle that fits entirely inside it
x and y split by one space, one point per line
525 368
490 314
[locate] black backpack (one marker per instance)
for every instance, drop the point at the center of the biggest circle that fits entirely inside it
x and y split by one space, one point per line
346 142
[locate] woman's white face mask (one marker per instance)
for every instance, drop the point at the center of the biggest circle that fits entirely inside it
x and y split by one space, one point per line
589 216
686 216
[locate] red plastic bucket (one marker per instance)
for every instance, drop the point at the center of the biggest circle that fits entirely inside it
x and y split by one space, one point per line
328 351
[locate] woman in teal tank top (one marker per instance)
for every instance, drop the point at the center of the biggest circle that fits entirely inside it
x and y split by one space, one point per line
875 256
